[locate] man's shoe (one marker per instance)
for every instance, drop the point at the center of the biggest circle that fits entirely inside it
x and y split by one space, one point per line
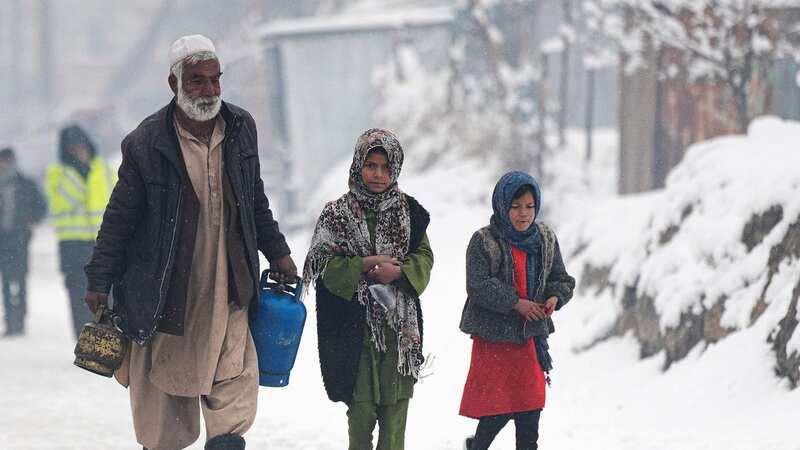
225 442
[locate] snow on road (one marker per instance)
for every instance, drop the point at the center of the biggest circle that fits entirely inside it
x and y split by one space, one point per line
723 398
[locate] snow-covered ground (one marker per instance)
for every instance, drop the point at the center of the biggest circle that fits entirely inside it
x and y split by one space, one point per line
605 398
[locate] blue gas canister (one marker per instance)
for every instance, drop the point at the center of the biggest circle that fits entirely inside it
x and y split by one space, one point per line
276 326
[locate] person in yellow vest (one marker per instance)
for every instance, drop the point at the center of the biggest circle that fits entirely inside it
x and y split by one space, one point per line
78 188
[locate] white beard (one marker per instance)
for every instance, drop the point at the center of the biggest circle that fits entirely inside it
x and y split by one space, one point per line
200 109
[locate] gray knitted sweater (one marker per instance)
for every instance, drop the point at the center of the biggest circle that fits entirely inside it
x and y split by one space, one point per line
489 310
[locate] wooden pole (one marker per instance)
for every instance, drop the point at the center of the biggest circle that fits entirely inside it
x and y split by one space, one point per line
590 87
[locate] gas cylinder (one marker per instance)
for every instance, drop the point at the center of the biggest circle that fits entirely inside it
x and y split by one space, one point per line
100 347
277 326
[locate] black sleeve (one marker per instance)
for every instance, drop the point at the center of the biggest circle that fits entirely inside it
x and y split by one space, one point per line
35 202
38 204
124 209
559 282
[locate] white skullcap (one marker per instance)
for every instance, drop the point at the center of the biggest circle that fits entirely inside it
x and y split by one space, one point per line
189 45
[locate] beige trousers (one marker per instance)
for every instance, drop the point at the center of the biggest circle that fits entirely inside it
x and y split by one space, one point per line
169 422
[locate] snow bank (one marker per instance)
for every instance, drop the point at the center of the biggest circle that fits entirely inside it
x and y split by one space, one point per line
713 253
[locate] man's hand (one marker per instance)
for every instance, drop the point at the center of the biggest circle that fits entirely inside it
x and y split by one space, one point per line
95 299
284 270
385 272
550 305
530 310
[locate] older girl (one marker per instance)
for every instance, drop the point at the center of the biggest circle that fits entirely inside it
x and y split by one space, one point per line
515 281
371 260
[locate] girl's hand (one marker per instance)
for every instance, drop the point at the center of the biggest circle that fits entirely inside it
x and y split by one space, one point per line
385 272
370 262
530 310
550 305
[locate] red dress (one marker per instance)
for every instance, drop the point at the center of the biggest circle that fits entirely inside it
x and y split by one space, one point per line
504 378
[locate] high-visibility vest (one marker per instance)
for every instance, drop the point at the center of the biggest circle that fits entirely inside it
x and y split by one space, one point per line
76 203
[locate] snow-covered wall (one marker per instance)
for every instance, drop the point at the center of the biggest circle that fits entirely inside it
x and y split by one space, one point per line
715 252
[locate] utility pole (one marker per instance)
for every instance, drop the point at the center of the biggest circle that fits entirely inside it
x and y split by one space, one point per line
567 36
589 122
15 59
46 62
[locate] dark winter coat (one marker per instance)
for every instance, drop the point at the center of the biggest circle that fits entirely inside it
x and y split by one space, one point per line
30 207
71 136
145 244
489 310
341 322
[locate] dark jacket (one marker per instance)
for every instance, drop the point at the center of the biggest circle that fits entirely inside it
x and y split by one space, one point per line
71 136
30 208
489 310
145 244
341 322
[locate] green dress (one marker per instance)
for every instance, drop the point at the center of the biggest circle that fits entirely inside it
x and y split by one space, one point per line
381 393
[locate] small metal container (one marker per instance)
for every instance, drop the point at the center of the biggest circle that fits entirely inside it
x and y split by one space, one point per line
101 347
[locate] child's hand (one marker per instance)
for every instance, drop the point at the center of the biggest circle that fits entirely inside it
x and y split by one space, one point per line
550 305
530 310
370 262
385 272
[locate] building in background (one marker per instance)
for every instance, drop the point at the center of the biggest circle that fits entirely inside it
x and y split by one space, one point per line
321 92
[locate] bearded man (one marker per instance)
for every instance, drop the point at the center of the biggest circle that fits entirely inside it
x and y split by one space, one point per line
179 244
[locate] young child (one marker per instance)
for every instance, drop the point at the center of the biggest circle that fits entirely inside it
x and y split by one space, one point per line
371 260
515 281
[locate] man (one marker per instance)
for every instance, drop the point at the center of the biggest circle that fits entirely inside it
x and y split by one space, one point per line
78 188
179 243
21 206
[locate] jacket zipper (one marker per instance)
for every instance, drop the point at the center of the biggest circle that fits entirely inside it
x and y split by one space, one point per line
171 253
161 293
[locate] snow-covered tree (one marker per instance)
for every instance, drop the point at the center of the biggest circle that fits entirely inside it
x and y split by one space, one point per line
731 43
484 102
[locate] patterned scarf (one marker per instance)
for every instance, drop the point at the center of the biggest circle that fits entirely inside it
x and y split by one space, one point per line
342 231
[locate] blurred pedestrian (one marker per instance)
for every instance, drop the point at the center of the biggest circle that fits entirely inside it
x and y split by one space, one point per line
515 281
21 206
371 260
78 187
179 244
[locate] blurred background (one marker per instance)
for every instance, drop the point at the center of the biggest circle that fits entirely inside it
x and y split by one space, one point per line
543 66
